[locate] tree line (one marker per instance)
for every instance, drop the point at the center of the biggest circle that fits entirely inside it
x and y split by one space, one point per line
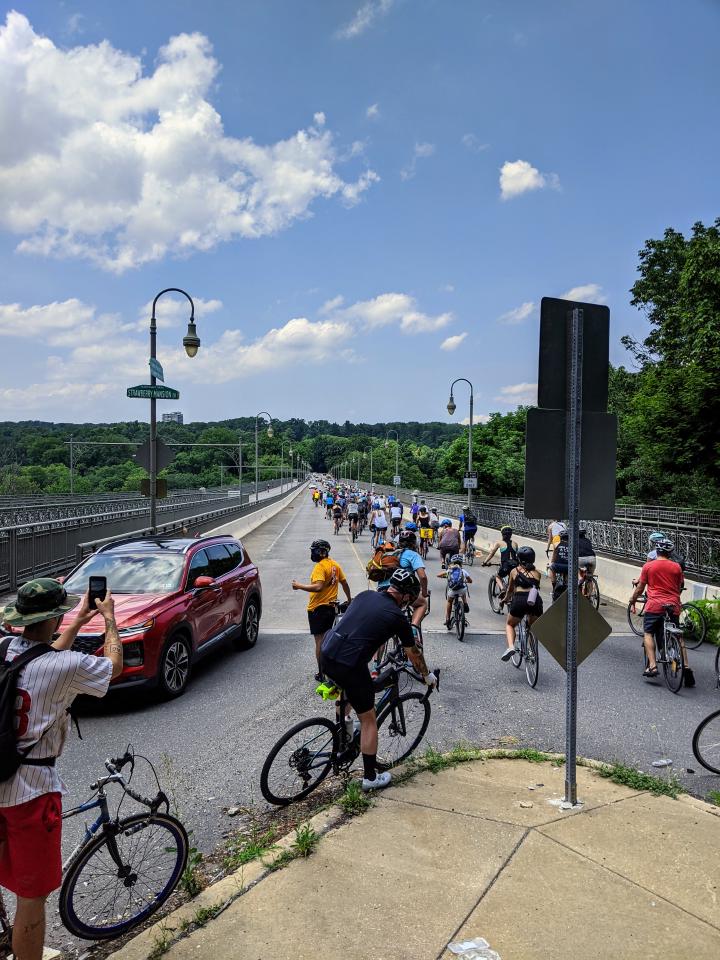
667 400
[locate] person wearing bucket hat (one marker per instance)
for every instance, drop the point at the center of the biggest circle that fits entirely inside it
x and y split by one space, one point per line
48 676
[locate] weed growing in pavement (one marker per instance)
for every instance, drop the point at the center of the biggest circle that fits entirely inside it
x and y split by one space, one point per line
714 797
354 801
203 914
629 777
162 941
252 848
286 857
306 839
191 877
558 762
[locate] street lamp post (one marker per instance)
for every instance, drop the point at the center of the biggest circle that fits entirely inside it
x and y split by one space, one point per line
397 454
191 342
263 413
451 407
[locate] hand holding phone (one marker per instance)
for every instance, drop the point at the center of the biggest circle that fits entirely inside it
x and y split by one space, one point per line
97 590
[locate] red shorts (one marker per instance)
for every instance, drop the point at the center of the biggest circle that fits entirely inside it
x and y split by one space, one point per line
30 856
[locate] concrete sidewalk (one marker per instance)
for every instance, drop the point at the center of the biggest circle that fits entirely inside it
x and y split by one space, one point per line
480 850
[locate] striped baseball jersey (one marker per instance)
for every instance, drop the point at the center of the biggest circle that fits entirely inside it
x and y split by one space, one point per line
45 689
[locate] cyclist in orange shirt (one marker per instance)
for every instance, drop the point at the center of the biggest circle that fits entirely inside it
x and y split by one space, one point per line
325 578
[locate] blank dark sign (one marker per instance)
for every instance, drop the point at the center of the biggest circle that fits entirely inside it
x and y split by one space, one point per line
552 372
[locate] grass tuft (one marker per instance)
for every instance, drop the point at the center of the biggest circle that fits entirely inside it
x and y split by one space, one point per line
714 797
246 850
162 941
354 801
286 857
306 839
629 777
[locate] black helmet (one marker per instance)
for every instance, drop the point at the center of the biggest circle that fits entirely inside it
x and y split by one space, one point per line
526 555
664 546
407 539
405 582
320 545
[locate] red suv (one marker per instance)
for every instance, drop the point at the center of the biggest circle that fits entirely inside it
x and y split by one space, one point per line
175 600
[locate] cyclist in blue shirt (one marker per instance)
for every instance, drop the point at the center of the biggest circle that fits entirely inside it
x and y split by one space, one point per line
329 500
410 559
468 526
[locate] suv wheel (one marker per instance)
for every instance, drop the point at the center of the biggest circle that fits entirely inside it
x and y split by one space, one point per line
250 625
174 667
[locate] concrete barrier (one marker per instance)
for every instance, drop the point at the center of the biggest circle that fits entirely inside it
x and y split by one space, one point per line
242 526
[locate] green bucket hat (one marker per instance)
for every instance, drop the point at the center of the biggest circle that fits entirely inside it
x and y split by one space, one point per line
38 600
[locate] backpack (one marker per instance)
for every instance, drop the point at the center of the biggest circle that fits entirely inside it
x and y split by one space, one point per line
455 578
383 563
470 519
11 759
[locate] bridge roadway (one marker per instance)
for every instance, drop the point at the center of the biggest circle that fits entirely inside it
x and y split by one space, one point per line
217 735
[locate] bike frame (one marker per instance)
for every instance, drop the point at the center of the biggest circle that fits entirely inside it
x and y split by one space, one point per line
90 831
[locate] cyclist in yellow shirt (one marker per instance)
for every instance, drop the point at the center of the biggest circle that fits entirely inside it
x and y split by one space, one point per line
325 578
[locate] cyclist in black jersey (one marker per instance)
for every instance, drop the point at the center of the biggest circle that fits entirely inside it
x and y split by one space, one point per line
508 557
523 596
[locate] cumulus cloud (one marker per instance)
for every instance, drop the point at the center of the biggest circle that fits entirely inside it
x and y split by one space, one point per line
472 143
364 18
388 308
519 176
586 293
477 418
101 162
518 314
421 150
373 111
452 343
518 394
173 310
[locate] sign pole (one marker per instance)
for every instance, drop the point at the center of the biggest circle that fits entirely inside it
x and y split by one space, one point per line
572 481
470 450
153 429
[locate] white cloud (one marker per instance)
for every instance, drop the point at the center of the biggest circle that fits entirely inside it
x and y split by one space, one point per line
60 324
518 315
103 163
421 150
519 176
472 143
452 343
173 310
388 308
477 418
518 394
586 293
448 288
373 111
364 18
331 305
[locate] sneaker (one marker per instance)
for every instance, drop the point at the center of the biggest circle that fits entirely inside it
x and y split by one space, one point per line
689 677
507 654
448 624
381 780
319 677
467 608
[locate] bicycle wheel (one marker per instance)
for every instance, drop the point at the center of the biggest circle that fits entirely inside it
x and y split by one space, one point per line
299 761
694 625
459 611
401 727
673 669
470 556
532 665
706 743
635 620
99 900
717 667
593 592
493 595
517 657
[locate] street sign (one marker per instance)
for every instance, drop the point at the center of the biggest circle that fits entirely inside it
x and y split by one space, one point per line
552 369
470 480
149 392
396 480
165 455
156 369
160 488
551 628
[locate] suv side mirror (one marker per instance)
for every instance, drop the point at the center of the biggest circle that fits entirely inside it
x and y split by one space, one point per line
202 582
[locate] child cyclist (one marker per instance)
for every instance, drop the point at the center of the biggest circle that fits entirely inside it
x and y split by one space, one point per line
457 586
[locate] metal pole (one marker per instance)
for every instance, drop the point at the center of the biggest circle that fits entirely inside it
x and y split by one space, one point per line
256 459
282 463
72 467
572 490
397 461
153 430
240 466
371 467
470 438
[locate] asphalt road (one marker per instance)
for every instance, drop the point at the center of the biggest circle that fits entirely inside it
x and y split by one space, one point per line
210 744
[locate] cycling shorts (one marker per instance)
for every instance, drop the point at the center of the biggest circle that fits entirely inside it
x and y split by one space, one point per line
653 624
589 562
354 681
426 533
321 619
469 532
31 863
459 592
519 606
505 568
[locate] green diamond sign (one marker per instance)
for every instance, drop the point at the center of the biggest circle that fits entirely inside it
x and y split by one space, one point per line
149 392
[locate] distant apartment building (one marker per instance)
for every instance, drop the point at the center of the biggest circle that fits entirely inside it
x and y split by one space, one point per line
174 417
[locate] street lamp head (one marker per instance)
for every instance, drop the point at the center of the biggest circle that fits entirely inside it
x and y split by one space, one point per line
191 341
451 407
386 443
270 431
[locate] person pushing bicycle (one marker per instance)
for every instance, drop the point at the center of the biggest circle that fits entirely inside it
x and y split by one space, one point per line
371 620
48 676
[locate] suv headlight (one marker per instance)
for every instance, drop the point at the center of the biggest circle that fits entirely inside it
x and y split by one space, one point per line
136 629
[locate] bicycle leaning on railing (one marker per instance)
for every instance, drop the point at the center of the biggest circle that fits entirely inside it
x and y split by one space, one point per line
123 870
308 751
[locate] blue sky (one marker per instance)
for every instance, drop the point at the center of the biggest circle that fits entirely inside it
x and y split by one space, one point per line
366 198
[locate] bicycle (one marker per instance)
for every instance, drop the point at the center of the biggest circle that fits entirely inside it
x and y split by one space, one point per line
495 592
304 755
337 524
115 879
354 530
526 648
590 586
423 547
470 552
706 739
458 617
692 620
670 652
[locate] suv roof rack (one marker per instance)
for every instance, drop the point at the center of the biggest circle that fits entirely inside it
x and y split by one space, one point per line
159 537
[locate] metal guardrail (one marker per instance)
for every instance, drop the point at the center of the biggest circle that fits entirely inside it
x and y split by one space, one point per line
696 535
45 549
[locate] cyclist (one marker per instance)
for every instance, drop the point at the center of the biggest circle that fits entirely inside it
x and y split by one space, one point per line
337 515
457 581
410 559
522 596
379 525
449 540
663 579
315 497
353 512
468 526
653 541
362 510
395 518
434 524
370 621
559 564
47 683
325 578
329 500
423 522
554 529
508 557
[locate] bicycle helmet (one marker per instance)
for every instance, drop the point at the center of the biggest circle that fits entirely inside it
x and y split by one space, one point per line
407 539
457 558
507 528
405 582
320 545
655 536
664 546
411 526
526 555
446 523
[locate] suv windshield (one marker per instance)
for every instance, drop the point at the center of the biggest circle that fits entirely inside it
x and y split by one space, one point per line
146 573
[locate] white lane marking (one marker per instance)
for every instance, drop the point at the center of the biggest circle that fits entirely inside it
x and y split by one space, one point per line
281 533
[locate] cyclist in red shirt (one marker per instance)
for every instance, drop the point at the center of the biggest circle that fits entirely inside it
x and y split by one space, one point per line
663 579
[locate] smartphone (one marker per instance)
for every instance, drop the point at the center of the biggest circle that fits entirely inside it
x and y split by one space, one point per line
98 590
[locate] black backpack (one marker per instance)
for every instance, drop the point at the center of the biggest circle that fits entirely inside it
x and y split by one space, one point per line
11 759
470 519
